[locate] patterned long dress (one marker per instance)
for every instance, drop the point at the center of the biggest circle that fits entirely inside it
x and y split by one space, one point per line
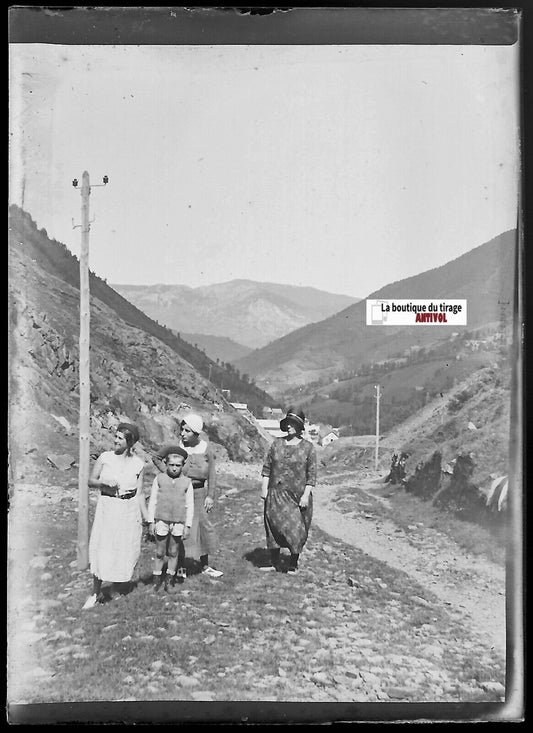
290 469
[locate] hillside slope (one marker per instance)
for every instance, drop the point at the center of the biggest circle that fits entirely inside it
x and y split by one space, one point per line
134 375
251 313
456 444
217 347
57 260
483 276
406 383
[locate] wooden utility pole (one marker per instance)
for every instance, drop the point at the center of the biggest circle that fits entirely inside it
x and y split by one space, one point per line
377 428
85 378
85 381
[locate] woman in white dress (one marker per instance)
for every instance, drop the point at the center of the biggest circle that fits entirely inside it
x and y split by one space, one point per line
115 543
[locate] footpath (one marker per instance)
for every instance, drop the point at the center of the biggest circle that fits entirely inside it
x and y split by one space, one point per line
362 621
468 583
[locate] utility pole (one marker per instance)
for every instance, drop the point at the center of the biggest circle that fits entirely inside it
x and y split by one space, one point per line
85 380
377 427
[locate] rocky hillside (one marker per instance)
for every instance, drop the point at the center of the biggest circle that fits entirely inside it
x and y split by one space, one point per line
134 374
248 312
57 260
456 445
484 276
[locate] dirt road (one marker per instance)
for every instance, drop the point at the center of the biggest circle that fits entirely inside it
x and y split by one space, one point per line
471 584
349 627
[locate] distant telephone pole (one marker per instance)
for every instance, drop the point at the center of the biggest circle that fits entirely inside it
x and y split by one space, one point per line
377 427
85 380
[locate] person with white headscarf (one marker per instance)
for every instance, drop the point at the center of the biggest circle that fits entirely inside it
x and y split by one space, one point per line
200 468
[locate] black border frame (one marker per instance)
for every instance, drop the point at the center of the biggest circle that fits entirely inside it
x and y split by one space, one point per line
472 23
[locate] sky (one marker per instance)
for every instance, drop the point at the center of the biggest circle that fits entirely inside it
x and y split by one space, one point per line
343 168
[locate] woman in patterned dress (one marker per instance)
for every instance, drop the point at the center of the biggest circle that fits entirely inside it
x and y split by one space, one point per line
289 475
115 543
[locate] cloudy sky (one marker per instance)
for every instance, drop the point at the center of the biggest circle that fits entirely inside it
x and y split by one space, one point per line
340 167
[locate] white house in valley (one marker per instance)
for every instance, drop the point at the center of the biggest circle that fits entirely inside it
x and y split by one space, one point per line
329 437
272 427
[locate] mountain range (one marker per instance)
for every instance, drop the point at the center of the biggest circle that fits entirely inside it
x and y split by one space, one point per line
142 372
249 313
342 342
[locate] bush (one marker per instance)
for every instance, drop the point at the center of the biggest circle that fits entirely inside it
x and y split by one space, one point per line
457 402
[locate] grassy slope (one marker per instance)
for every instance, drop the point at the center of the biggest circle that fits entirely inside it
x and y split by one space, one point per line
217 347
248 636
404 389
482 399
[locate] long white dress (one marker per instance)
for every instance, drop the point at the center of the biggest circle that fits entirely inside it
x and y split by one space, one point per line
116 534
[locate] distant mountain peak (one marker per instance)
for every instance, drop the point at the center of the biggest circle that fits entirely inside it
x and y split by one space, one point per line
482 276
248 312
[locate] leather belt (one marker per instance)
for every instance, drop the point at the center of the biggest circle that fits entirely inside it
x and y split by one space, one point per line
129 495
113 493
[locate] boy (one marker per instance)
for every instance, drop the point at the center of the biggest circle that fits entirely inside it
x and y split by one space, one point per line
170 513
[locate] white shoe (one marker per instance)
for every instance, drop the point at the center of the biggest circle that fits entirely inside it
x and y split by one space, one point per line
212 572
90 602
266 568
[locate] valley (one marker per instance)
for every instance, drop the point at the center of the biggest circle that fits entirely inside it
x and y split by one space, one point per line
343 342
404 583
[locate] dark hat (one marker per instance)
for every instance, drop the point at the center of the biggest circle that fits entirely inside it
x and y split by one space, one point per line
295 416
166 450
175 450
133 429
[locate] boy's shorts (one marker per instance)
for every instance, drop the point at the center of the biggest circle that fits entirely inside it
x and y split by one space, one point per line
163 528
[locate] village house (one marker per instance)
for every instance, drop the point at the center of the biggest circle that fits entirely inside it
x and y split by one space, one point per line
329 437
240 406
272 413
271 427
242 409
